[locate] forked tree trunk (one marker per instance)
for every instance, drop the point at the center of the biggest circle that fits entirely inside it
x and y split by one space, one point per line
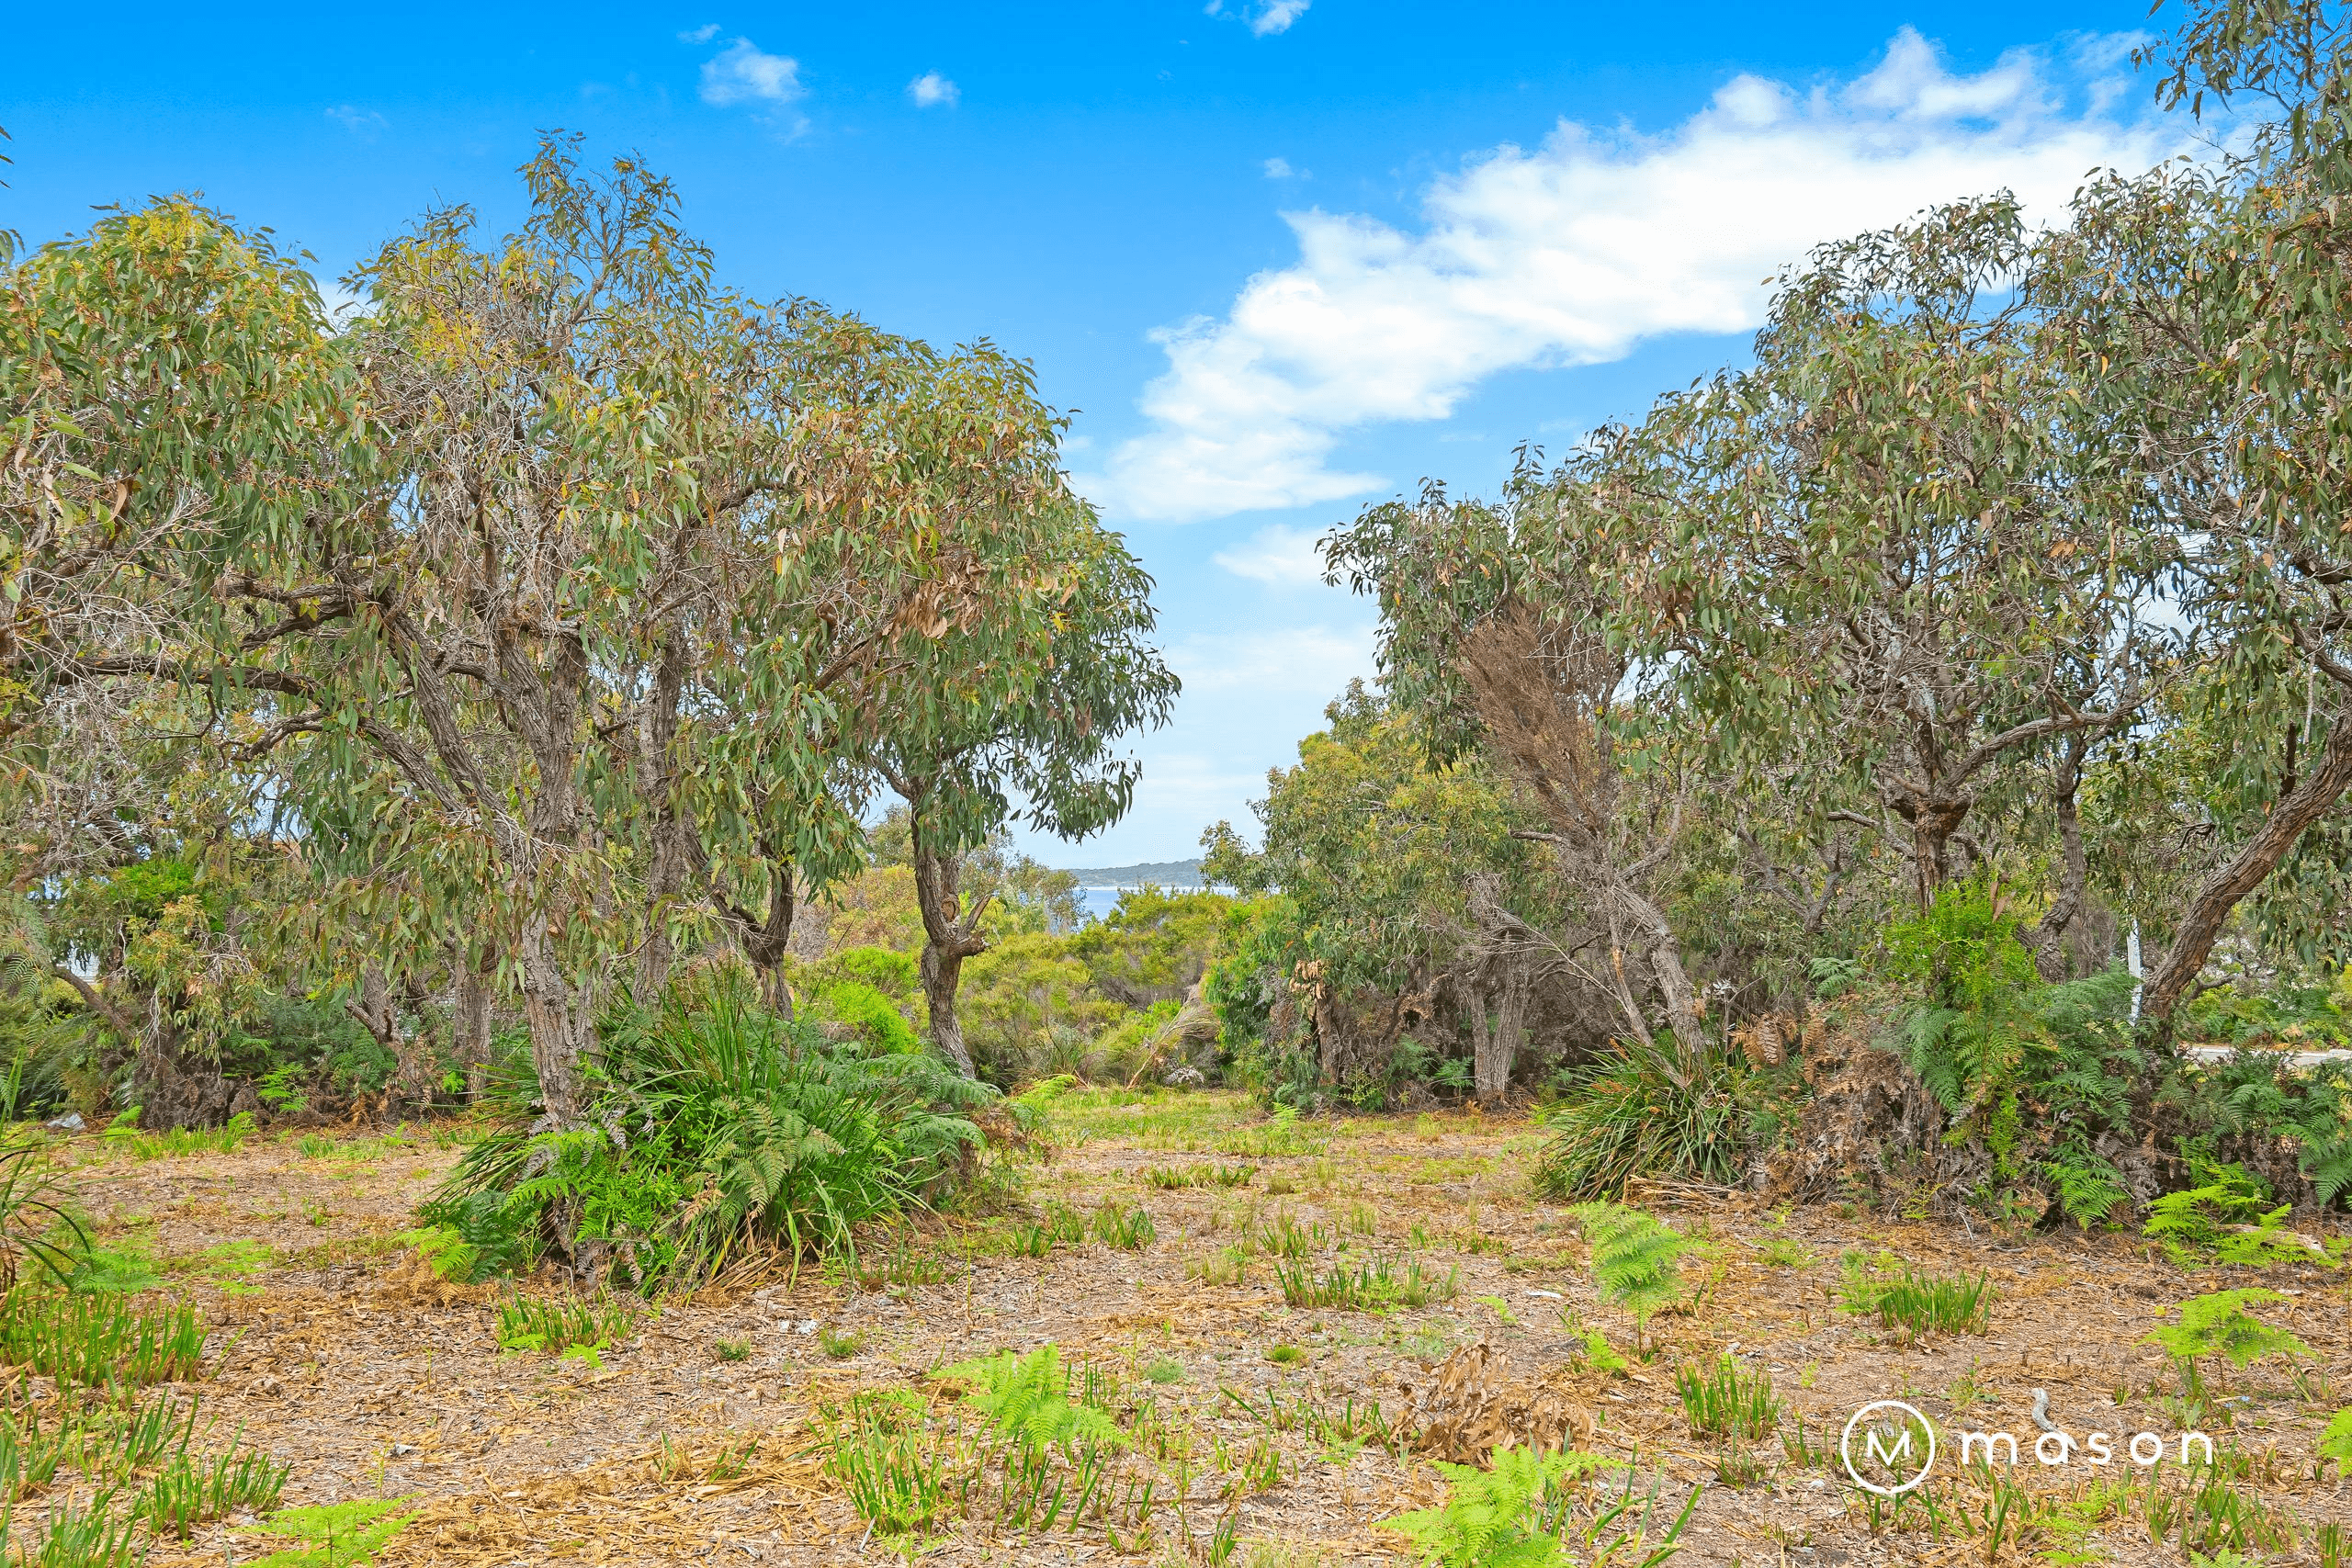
1504 939
2244 871
951 934
1673 980
768 937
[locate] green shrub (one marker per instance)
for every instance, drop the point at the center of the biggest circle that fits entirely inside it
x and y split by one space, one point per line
2254 1105
886 970
1634 1114
861 1014
2034 1072
716 1126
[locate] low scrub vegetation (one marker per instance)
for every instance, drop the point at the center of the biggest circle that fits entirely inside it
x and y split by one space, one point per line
749 1132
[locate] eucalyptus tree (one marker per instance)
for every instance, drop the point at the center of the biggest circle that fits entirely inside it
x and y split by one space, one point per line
156 374
2201 309
1496 632
1411 883
616 582
1886 562
1028 704
164 386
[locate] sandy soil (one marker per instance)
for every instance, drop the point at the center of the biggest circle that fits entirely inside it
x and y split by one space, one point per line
338 1359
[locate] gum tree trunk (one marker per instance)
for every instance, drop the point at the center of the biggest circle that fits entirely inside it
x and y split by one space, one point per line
2244 871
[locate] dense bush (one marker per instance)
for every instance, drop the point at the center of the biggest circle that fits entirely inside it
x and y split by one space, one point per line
716 1127
1639 1113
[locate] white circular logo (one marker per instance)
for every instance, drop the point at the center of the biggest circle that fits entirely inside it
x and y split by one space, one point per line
1887 1446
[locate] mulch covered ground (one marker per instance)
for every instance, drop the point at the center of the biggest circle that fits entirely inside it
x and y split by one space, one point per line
350 1361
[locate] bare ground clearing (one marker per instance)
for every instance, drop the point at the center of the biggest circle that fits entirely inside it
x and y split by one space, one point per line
343 1364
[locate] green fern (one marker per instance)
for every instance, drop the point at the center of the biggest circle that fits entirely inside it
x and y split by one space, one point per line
2219 1324
1636 1261
2335 1443
2089 1186
1602 1355
1501 1518
338 1535
2229 1219
1026 1398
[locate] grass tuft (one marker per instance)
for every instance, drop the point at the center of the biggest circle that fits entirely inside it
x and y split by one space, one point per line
1723 1401
1371 1286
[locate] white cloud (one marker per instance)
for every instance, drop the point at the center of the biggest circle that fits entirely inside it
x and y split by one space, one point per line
741 74
702 34
366 124
1278 554
1315 661
1575 253
1277 15
931 88
1278 168
1263 18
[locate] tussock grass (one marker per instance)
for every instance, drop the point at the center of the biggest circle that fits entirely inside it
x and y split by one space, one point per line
1368 1287
562 1327
99 1341
1912 1303
1628 1117
1724 1401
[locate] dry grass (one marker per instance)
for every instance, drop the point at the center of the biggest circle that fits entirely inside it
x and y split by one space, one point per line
371 1383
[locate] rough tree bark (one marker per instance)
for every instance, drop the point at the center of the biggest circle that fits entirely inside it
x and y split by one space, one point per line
2243 872
1502 972
2048 939
470 1026
951 934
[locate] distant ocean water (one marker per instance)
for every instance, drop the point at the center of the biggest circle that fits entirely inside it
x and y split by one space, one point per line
1095 903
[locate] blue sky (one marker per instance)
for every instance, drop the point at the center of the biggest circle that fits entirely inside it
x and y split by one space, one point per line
1284 258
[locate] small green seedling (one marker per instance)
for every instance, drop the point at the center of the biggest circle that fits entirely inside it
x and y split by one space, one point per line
338 1535
2219 1324
1636 1261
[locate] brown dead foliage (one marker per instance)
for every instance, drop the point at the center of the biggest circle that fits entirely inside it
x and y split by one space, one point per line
1471 1405
412 1282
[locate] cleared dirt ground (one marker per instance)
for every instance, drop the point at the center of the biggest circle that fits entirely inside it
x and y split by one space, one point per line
346 1361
